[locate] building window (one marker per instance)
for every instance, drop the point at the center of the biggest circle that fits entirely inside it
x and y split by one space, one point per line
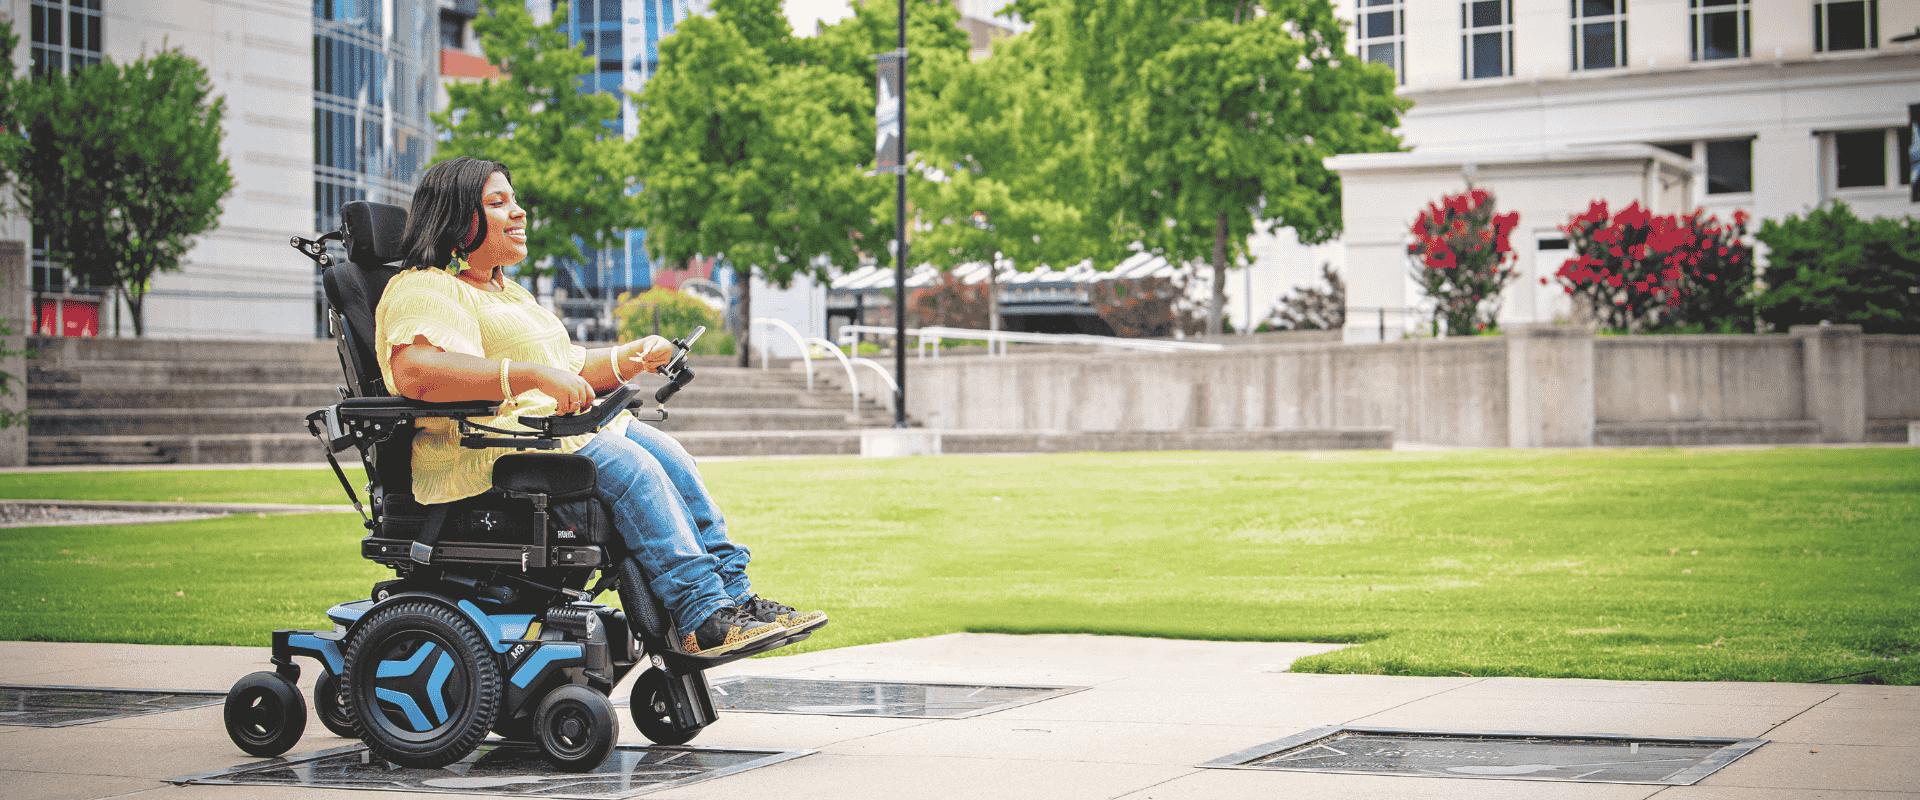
1599 34
1381 33
64 36
1729 166
1846 25
1872 159
453 31
1720 29
1486 45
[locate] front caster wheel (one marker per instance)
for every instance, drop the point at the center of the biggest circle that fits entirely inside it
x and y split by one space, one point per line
265 714
652 710
331 709
575 728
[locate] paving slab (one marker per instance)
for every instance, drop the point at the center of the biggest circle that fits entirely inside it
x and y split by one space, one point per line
1153 710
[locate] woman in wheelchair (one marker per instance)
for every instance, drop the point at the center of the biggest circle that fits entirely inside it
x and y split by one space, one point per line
452 328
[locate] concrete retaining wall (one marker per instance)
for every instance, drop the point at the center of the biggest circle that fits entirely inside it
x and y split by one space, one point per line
1533 386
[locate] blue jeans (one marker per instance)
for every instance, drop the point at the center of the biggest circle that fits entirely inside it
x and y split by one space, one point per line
669 522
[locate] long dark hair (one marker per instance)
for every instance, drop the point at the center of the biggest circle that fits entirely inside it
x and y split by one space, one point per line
446 217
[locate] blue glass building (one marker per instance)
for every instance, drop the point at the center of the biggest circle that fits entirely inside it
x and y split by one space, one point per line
623 39
374 70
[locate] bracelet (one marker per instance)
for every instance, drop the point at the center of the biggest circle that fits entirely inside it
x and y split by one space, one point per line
506 389
613 361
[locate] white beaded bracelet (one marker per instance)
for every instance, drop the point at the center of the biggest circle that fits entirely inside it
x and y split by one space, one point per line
613 362
506 389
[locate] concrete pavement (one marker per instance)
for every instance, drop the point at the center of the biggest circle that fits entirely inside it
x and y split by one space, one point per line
1154 710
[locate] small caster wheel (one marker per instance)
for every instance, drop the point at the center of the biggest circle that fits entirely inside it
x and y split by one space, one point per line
328 705
265 714
652 708
575 728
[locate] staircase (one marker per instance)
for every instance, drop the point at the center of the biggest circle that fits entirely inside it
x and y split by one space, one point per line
131 401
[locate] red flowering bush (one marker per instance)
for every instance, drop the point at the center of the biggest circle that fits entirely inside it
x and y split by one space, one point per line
1462 257
1640 272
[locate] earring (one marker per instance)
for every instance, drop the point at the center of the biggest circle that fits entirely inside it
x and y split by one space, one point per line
457 265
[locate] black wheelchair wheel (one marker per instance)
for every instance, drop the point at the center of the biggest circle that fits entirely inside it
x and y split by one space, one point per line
575 728
265 714
422 685
652 710
330 708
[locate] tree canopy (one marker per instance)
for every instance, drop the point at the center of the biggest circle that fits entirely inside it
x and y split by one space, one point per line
571 169
1214 117
121 167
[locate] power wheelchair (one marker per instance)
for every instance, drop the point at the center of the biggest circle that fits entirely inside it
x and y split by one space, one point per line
489 623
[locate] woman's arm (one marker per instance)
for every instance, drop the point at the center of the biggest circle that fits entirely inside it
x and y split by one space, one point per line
422 371
654 353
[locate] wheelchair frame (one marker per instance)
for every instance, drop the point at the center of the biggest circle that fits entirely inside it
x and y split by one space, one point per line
490 623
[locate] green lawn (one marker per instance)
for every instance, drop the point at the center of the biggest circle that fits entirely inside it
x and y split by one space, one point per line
1787 564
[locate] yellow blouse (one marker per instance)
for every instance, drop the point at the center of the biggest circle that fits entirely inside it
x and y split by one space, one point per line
458 318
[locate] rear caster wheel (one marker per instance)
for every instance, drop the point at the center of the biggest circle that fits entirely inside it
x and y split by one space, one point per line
328 705
265 714
575 728
652 710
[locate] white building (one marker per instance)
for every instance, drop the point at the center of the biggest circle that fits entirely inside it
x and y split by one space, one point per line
1769 106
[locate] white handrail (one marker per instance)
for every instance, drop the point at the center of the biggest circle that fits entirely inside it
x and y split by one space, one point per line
801 341
893 389
929 338
852 381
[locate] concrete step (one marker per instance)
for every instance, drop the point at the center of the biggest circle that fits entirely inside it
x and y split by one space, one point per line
220 395
1689 433
755 419
706 444
167 421
173 373
228 448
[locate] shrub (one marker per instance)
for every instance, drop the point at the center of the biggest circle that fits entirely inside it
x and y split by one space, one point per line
679 314
1311 308
1836 267
1462 258
1646 273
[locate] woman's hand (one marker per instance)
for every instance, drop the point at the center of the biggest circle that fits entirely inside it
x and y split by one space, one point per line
652 353
570 392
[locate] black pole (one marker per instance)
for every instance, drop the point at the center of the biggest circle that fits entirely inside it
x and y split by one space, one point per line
900 245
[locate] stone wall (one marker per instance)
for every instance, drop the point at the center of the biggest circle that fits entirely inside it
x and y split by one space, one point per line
1534 386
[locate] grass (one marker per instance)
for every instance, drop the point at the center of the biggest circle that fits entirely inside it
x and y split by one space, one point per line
1786 564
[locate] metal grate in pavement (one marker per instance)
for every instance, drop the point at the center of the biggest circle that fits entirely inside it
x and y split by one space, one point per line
1506 755
875 698
60 706
500 768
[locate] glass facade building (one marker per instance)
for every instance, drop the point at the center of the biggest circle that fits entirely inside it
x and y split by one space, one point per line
375 65
623 39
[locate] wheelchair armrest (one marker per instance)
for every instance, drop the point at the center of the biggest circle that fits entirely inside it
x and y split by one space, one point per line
593 419
405 408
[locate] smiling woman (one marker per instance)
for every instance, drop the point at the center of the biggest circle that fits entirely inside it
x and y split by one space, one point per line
451 328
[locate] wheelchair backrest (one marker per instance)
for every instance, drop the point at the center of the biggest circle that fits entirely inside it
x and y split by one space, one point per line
372 233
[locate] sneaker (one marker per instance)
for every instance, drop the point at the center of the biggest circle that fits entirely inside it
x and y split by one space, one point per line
727 630
765 610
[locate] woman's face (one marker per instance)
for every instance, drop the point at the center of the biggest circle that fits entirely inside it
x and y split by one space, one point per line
506 242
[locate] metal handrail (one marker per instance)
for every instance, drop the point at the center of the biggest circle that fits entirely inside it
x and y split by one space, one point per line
892 388
801 341
852 381
932 336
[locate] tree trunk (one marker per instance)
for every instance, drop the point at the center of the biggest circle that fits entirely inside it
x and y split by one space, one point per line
1219 304
993 295
743 280
136 302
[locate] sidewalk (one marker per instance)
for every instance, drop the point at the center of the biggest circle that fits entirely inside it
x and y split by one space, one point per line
1153 710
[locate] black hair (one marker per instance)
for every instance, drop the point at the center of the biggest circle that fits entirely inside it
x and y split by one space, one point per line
446 217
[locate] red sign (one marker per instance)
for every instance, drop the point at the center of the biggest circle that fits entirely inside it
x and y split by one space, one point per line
67 318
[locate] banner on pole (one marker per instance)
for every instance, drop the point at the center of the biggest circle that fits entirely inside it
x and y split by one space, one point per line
889 103
1913 152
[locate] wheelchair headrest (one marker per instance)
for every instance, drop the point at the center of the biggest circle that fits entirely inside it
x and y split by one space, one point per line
373 232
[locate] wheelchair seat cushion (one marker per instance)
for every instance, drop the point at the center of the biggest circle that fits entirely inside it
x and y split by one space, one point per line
563 476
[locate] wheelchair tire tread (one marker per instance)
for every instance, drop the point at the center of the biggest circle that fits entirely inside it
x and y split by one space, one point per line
484 684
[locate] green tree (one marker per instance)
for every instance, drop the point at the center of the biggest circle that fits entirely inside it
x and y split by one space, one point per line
754 160
1014 155
571 170
1833 266
1217 115
121 168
